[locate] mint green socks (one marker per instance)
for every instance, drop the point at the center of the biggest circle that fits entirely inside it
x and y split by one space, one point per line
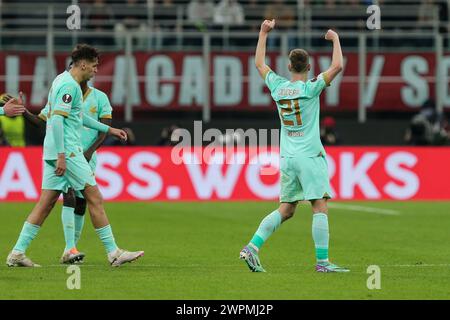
321 236
68 222
268 226
79 223
106 236
28 233
320 233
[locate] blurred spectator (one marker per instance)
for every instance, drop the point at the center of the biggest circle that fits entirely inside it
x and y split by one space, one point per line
427 127
254 14
100 18
284 15
430 13
419 131
3 141
165 11
330 3
113 141
426 14
354 3
200 13
446 130
166 19
328 133
131 19
168 11
229 15
229 12
169 136
13 130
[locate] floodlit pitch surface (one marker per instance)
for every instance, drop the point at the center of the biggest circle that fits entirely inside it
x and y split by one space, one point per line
192 249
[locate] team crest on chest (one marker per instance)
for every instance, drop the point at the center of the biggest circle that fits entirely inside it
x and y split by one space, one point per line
93 109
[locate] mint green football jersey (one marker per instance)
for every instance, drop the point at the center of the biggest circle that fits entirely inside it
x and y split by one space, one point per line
64 98
97 106
299 110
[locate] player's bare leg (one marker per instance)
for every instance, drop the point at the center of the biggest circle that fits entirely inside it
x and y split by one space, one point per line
320 233
116 256
30 229
287 210
44 206
250 253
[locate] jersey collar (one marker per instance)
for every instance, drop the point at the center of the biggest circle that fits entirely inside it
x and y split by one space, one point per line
89 90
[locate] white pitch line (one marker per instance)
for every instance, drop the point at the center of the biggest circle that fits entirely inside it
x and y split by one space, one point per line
352 207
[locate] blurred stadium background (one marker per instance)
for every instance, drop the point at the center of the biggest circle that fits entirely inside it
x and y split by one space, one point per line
170 62
165 64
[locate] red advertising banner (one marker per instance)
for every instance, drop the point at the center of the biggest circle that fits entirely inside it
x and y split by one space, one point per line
159 173
168 80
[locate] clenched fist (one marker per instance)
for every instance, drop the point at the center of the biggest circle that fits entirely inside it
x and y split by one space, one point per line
331 35
267 25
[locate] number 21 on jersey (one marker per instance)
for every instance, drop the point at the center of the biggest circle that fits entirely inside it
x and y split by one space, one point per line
290 107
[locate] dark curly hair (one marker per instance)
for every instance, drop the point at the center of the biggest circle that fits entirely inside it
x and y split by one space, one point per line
84 52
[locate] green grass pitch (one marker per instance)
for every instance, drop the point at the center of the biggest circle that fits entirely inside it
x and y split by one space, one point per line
191 252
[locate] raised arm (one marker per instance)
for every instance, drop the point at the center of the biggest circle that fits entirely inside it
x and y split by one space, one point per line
337 61
260 55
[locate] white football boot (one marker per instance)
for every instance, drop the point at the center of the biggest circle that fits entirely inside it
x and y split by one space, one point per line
119 257
72 256
19 260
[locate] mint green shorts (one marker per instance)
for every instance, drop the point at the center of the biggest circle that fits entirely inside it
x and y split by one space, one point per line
78 174
92 164
304 178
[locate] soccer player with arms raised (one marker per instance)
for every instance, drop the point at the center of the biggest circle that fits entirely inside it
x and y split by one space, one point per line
65 165
303 169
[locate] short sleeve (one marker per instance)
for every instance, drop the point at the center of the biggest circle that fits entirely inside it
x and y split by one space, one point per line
44 112
317 84
104 106
273 80
64 100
